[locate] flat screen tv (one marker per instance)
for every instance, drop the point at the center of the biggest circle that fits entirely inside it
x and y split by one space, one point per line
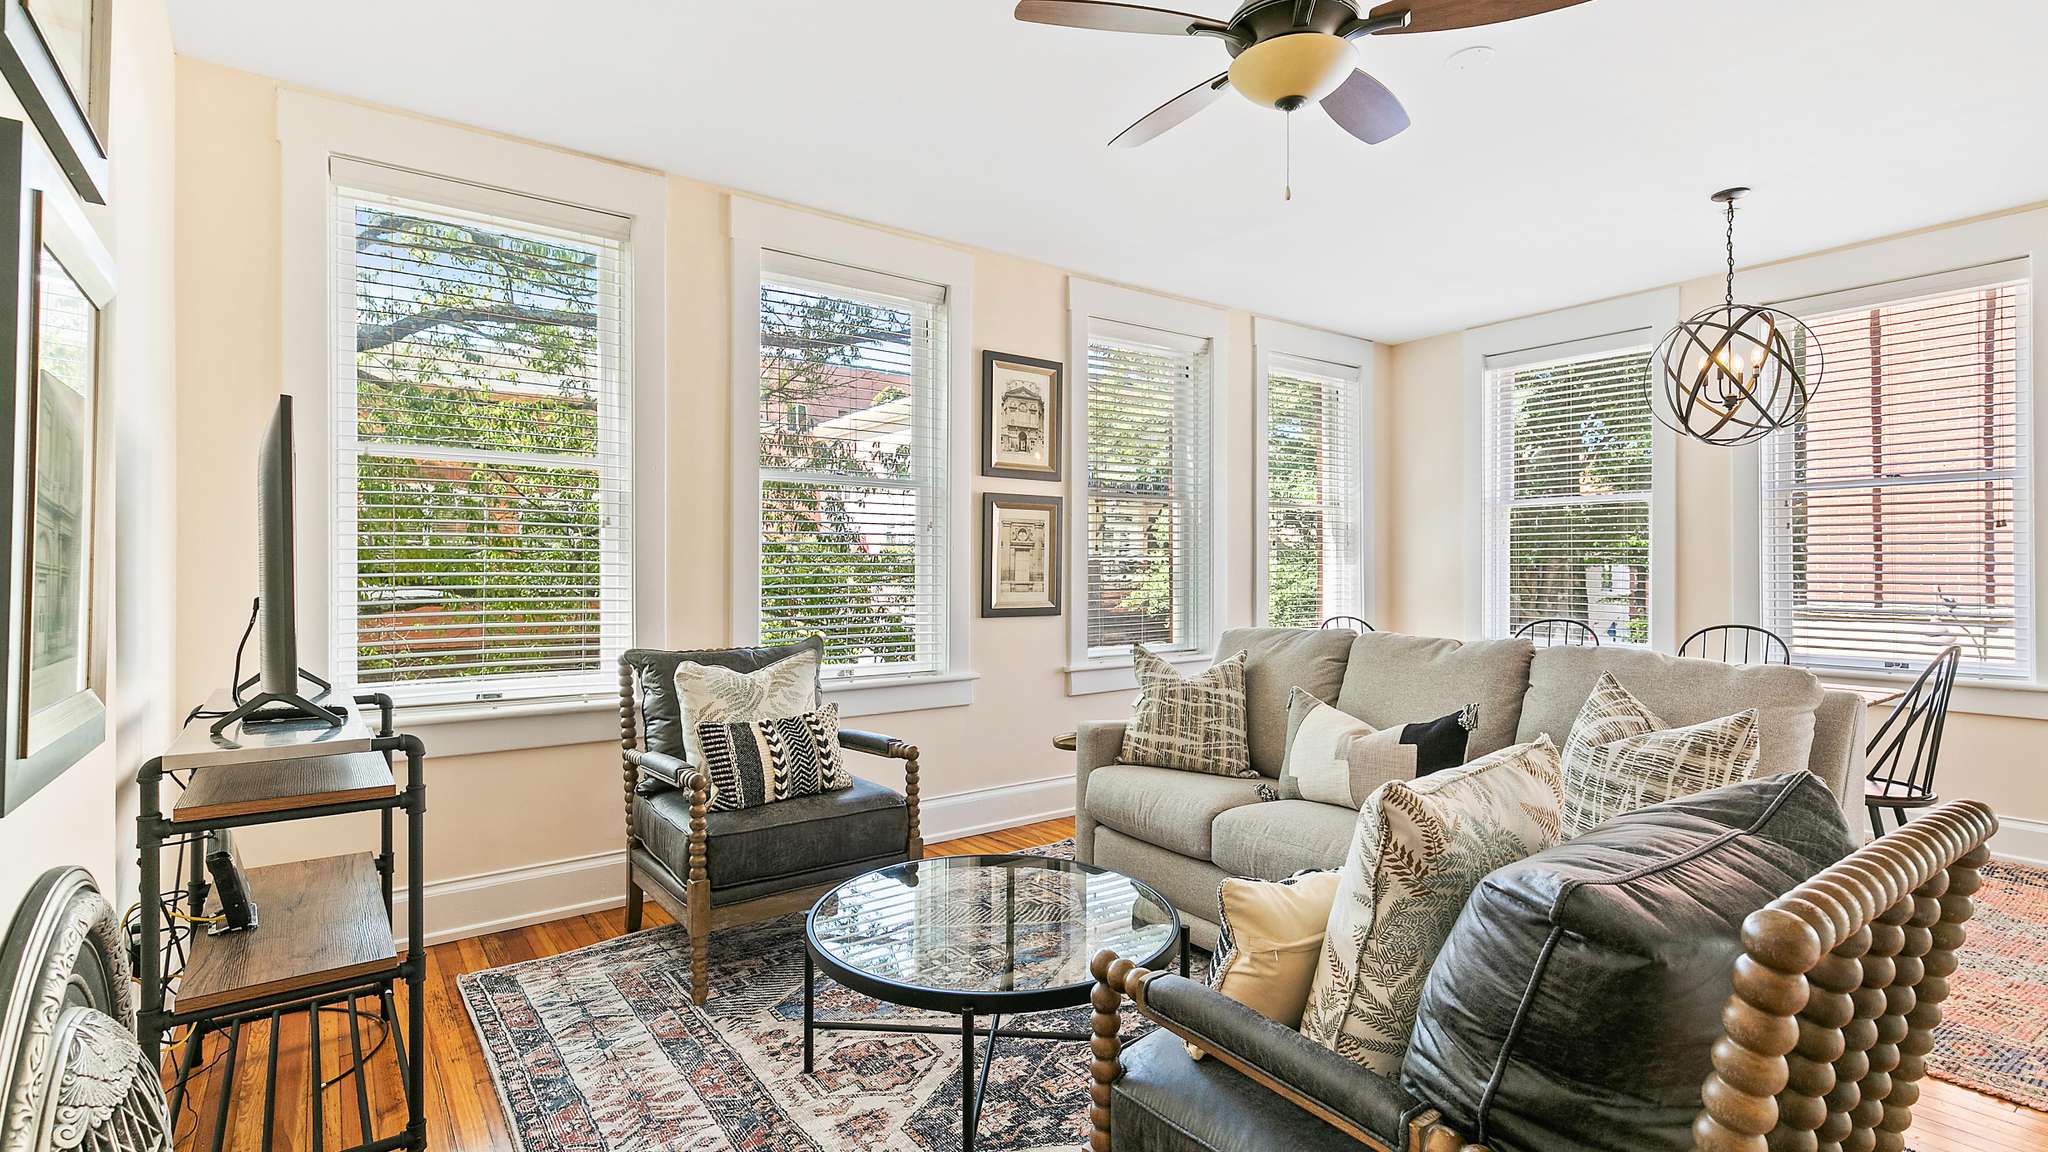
274 693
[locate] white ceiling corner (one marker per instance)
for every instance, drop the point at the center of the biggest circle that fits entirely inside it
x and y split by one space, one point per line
1573 166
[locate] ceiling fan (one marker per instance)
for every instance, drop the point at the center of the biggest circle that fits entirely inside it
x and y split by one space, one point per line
1287 53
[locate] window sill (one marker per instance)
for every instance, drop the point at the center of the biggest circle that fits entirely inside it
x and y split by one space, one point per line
1115 674
469 729
2022 699
901 693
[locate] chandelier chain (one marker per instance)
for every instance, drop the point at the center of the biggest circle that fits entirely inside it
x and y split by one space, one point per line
1728 295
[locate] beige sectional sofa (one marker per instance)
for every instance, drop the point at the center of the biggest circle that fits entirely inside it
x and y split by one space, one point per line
1183 832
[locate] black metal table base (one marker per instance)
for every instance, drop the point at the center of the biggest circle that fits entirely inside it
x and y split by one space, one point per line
972 1089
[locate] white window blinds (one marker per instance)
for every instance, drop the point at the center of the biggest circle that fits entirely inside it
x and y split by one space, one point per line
1896 513
481 407
1147 489
1314 491
1568 473
853 434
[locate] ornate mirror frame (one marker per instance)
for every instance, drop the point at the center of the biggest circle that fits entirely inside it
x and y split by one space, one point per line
71 1074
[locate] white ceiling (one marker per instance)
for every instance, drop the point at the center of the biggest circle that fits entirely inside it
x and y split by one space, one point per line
1574 166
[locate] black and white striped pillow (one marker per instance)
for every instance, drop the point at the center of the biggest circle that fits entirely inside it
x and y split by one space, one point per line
751 763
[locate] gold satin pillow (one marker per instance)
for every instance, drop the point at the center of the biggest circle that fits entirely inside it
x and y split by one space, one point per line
1272 936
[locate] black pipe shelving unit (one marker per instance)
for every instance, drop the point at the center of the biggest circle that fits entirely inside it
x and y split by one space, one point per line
325 934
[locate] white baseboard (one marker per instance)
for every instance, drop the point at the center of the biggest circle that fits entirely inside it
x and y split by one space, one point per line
534 893
2021 841
515 897
993 809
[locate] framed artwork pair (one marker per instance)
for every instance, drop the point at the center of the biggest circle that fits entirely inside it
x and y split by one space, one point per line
56 281
1022 405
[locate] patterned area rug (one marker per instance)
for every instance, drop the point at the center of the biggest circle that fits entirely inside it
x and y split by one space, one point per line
1994 1030
600 1050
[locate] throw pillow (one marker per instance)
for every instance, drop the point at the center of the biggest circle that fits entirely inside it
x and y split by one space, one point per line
1621 757
707 694
1269 936
1420 849
1195 723
1334 757
756 762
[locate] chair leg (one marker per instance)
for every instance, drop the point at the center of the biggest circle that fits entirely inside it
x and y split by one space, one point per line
699 905
1876 820
634 899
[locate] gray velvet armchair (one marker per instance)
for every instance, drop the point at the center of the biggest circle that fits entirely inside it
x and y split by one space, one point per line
714 869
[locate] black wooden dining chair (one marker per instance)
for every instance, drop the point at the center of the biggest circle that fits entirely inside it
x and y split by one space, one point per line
1906 747
1355 623
1555 631
1737 644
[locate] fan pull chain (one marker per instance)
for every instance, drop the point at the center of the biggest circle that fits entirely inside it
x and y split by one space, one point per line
1288 176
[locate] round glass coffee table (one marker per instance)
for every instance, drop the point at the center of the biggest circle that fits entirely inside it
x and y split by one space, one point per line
977 936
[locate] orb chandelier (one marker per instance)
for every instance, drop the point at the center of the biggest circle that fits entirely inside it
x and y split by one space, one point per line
1734 373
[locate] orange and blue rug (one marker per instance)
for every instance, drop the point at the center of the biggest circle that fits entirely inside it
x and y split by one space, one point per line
1993 1035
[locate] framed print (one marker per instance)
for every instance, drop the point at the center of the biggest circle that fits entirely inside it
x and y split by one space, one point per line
55 54
57 284
1020 555
1020 417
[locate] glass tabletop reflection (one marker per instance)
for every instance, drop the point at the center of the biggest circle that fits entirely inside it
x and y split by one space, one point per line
989 924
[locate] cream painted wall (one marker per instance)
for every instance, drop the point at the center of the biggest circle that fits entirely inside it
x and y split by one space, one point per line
493 813
1994 758
85 817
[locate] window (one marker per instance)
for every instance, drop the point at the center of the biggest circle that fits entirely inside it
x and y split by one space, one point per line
1568 461
853 428
481 391
1147 490
1896 513
1312 458
851 458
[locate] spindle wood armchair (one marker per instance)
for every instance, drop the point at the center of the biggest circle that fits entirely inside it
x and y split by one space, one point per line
1836 997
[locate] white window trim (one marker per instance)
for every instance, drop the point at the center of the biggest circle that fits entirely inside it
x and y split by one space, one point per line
1648 314
755 226
1086 300
1272 338
310 130
1873 267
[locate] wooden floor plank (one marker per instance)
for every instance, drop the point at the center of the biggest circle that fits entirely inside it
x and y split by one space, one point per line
463 1114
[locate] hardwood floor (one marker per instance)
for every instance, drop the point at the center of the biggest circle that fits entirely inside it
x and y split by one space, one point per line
462 1107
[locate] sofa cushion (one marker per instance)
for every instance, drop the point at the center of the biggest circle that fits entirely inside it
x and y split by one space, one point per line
1420 847
785 839
1395 679
657 709
1276 662
1621 757
1194 723
1274 841
1680 690
1165 806
1579 997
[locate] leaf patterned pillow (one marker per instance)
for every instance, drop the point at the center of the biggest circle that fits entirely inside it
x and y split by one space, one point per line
1421 847
707 694
1621 757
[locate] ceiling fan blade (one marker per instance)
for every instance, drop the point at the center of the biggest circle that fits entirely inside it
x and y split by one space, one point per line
1365 108
1173 112
1443 15
1110 17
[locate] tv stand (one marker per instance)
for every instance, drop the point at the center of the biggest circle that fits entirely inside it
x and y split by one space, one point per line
283 706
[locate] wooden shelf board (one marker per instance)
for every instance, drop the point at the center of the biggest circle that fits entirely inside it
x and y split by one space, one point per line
316 921
282 785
